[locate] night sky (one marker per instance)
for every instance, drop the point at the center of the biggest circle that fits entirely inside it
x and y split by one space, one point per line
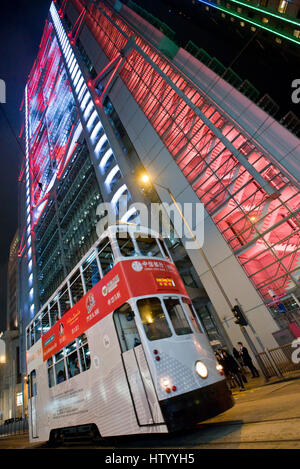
22 24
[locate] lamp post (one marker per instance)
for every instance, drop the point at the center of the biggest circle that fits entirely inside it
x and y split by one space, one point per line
145 179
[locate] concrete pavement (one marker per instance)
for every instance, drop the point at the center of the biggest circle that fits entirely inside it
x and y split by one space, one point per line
266 415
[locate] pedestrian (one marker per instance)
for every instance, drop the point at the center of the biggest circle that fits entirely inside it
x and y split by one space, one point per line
231 383
238 358
233 367
247 360
236 354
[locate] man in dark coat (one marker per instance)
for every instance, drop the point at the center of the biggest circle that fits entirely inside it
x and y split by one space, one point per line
247 360
232 368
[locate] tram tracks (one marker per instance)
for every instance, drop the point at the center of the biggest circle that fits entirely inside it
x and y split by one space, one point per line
270 432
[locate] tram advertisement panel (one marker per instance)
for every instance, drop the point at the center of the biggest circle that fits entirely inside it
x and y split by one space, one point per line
127 279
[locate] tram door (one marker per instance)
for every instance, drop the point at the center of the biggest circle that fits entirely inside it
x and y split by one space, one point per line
141 388
33 397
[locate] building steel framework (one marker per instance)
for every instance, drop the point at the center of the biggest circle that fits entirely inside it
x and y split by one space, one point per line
251 200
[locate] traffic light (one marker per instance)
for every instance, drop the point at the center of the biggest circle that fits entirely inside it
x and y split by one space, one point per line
239 316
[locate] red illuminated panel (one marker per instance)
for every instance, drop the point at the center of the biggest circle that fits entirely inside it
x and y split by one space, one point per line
51 120
249 220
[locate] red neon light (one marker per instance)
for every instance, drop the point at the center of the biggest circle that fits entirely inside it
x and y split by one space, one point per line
76 29
61 170
40 201
22 171
93 82
111 77
21 250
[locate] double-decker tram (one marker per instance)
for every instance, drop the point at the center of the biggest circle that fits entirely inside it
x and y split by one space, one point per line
118 348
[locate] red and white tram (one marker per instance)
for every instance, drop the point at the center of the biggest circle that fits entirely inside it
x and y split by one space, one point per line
118 346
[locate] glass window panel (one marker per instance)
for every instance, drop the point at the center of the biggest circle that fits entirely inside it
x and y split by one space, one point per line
153 318
148 246
59 355
105 255
37 329
71 347
28 339
85 357
126 328
60 372
73 364
177 316
91 273
64 301
126 244
45 322
76 287
51 381
53 312
33 384
82 339
31 335
163 248
192 316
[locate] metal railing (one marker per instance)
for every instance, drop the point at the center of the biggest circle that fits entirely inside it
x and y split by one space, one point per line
14 428
281 360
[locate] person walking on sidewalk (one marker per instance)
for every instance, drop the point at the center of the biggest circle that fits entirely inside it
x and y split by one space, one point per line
247 360
233 368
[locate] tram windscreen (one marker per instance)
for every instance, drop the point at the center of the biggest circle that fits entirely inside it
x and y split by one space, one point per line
148 246
192 316
177 316
153 319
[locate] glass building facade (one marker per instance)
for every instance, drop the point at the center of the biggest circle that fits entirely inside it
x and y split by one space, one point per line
79 153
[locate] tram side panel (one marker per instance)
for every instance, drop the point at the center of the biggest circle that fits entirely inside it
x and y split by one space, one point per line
100 395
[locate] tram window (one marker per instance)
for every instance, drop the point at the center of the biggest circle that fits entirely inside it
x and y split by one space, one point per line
192 316
45 322
28 339
60 371
53 312
31 335
76 287
72 360
37 329
51 381
153 318
126 245
177 316
126 328
84 353
91 273
64 301
148 246
163 247
33 384
106 256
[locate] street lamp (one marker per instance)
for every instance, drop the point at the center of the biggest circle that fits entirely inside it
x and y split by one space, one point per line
146 180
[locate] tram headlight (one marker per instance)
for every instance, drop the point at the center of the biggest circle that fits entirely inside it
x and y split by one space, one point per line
201 369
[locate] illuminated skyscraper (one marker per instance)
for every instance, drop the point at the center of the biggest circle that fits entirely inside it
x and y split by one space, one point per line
110 95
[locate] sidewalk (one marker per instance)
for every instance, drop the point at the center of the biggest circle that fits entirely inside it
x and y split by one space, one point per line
254 383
